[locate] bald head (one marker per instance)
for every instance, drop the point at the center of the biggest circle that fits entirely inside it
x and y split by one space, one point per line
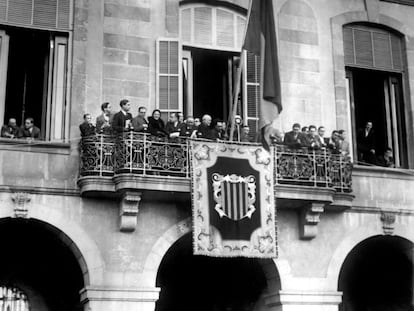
206 119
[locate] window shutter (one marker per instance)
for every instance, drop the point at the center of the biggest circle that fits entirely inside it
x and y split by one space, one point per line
186 25
211 27
50 14
373 48
252 101
203 26
363 48
168 75
349 46
225 28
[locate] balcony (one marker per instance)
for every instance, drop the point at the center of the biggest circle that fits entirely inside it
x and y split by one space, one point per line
137 161
134 163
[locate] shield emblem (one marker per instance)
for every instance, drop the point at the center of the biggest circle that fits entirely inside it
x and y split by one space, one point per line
234 195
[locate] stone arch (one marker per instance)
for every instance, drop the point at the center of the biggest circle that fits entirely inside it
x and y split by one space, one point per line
74 237
276 271
299 47
337 23
351 241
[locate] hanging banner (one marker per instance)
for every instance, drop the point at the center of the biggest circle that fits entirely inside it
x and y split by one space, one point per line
233 200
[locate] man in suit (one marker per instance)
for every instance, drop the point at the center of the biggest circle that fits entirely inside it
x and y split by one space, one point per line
294 138
87 128
312 139
323 141
173 126
366 144
122 120
204 129
140 123
187 129
103 122
11 130
29 130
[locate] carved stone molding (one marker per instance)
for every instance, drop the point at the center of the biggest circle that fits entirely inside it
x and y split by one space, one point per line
128 211
20 200
309 220
388 222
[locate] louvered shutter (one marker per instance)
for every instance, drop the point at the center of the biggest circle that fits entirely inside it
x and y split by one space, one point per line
168 75
50 14
203 25
373 48
252 89
225 28
211 27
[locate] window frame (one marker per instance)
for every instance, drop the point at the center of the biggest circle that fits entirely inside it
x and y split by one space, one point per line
46 127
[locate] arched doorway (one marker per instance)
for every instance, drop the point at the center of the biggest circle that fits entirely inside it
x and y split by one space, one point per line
36 260
378 275
202 283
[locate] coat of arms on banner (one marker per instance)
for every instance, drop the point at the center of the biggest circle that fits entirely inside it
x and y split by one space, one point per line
233 200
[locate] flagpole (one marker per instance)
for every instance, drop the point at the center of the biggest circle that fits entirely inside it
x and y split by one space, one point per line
238 76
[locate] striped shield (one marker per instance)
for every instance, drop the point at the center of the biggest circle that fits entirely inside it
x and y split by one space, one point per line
234 195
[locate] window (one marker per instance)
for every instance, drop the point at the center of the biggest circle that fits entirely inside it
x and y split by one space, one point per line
34 64
13 299
374 60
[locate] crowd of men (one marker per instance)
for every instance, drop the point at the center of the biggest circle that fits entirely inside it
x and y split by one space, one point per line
177 127
27 131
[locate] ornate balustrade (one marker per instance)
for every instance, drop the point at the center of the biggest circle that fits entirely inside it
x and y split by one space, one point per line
317 168
142 155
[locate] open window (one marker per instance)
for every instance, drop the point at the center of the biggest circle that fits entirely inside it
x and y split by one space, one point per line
375 73
34 51
35 86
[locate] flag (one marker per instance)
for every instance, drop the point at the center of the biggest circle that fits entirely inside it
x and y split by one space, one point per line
233 200
260 39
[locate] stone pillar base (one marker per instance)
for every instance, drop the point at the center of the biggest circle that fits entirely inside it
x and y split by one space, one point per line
117 299
304 301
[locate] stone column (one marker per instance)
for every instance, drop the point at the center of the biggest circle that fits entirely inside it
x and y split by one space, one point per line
116 299
304 301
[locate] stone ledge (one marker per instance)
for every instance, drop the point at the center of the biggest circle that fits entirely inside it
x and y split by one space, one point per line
157 183
37 146
90 185
144 294
303 298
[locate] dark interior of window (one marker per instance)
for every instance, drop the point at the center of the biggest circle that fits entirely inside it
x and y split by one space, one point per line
211 83
372 93
27 75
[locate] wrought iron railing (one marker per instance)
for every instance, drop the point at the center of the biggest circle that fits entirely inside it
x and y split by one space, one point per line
317 168
142 154
97 155
148 155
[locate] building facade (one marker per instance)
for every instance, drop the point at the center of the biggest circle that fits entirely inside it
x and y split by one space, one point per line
83 235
